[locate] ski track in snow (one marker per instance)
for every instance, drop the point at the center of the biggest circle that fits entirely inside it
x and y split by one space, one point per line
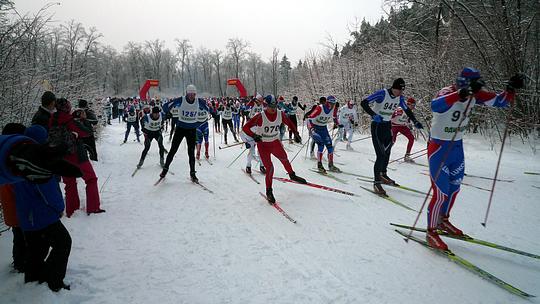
175 243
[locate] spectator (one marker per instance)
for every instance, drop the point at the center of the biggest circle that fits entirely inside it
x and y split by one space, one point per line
63 120
44 112
7 200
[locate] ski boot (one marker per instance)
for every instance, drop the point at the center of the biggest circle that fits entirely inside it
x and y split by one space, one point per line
270 196
164 172
378 189
445 225
321 168
193 177
248 170
434 240
408 158
349 147
387 180
139 165
297 178
262 169
125 140
333 168
206 154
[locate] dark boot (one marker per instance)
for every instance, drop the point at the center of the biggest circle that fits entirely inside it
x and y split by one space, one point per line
333 168
320 167
248 170
387 180
378 189
262 169
164 172
297 178
139 165
193 177
270 196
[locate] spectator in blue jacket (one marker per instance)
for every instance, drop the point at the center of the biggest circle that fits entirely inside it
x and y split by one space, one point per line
39 208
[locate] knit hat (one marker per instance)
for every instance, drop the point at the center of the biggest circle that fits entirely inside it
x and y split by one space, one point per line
83 103
399 84
63 105
47 98
37 133
191 89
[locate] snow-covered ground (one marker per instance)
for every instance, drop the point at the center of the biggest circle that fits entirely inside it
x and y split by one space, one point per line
175 243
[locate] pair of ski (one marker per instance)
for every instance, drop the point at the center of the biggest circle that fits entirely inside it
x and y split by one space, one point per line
195 182
207 160
329 175
465 263
286 180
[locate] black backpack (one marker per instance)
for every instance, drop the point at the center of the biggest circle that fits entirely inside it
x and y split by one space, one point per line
59 135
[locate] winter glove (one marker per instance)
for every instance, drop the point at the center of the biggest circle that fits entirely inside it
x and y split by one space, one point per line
257 138
377 118
248 146
476 85
463 93
38 163
340 126
297 138
516 82
418 125
335 126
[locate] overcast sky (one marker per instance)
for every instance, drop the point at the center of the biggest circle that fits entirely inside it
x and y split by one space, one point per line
293 26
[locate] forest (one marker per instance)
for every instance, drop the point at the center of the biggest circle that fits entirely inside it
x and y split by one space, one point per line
425 42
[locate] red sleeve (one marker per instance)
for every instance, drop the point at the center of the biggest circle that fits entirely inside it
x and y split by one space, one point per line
255 121
288 122
315 112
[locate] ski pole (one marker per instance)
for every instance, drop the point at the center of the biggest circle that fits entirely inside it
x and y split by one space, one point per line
233 145
439 170
497 170
101 189
404 156
234 160
361 139
214 140
299 150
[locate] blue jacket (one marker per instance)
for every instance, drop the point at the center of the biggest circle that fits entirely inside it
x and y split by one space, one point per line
6 143
38 205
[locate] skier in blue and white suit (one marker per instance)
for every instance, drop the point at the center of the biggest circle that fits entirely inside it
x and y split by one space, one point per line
186 127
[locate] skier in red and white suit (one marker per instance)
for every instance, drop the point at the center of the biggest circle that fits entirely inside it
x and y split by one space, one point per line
401 124
268 143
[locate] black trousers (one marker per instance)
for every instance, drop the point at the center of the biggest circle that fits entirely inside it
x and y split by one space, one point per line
149 136
179 134
227 124
381 136
295 122
51 268
19 249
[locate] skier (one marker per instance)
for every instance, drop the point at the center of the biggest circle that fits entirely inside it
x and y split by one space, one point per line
322 100
401 124
236 116
256 106
267 138
173 114
151 128
348 119
227 116
132 119
291 109
202 133
384 103
451 109
318 119
186 127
